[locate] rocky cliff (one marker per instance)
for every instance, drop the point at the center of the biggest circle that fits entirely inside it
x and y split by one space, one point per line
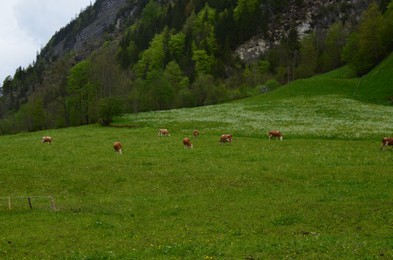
307 17
104 15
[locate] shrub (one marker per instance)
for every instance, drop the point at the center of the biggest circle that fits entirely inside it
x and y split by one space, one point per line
108 109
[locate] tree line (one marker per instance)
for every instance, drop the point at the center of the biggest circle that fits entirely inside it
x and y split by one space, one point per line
180 54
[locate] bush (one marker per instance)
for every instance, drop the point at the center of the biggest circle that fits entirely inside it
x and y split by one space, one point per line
109 108
272 84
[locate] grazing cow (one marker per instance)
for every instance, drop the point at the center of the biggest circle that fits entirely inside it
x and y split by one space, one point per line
385 142
47 139
118 147
187 143
276 134
195 133
163 132
226 138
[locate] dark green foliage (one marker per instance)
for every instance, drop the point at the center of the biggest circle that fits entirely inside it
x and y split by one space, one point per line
109 109
7 87
204 89
203 62
151 22
308 60
367 47
335 40
177 45
247 14
175 16
160 91
388 18
203 30
152 58
272 84
80 91
153 93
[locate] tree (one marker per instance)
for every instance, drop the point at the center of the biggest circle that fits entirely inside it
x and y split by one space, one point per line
289 53
80 91
308 58
179 82
153 58
388 33
31 116
367 47
203 30
54 92
175 76
248 16
224 25
201 88
110 107
177 46
245 8
334 43
105 72
160 91
8 86
151 23
203 62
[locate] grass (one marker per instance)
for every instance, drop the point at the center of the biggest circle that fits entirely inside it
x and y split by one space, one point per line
377 86
323 192
252 198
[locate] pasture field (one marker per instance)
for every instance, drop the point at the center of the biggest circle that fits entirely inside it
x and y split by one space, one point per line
252 199
324 192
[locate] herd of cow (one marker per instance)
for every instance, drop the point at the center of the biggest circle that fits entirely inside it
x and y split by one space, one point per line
225 138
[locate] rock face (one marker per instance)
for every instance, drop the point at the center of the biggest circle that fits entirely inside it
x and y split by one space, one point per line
310 16
92 34
106 17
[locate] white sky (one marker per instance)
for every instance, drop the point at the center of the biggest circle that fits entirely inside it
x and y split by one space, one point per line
27 25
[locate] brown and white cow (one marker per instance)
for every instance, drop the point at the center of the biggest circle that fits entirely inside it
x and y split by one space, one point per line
47 139
195 133
118 147
226 138
187 143
163 132
276 134
385 142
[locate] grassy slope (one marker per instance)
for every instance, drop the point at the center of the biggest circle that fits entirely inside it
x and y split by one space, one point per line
304 197
325 106
377 86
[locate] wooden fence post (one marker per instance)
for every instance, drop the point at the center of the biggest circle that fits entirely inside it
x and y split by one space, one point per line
31 206
53 203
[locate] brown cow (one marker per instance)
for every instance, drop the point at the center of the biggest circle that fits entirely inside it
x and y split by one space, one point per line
163 132
226 138
187 143
276 134
47 139
385 142
195 133
118 147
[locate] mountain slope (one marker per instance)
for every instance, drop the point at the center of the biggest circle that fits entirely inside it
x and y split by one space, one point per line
85 33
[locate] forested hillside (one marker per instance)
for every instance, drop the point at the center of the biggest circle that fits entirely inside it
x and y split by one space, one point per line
131 56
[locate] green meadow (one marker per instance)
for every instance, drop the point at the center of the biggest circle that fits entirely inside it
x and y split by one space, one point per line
324 192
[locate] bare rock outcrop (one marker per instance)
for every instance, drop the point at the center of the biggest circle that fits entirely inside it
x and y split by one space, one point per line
310 16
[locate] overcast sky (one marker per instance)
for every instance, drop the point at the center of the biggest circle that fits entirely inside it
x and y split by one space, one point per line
27 25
